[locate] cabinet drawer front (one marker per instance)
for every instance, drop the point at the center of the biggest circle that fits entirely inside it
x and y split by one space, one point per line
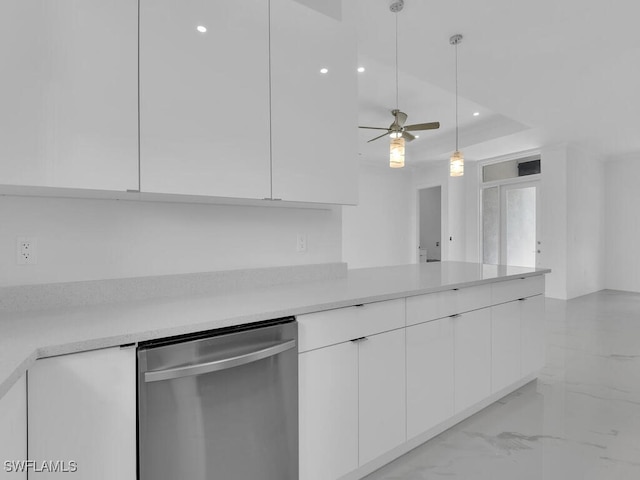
509 290
431 306
320 329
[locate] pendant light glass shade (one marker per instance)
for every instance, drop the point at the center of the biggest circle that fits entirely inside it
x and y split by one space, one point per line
456 164
396 153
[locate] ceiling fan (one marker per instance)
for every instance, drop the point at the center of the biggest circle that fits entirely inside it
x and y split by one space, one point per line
398 128
398 131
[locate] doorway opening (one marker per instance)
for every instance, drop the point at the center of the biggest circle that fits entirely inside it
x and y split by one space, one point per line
430 224
510 213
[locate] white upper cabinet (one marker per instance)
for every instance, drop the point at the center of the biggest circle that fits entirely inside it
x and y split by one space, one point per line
314 114
204 98
68 103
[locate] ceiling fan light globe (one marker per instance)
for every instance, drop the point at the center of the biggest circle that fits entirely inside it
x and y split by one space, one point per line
396 153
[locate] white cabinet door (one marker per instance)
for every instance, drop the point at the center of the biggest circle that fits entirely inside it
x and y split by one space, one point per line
314 114
505 345
82 407
430 374
13 431
204 98
533 319
69 98
472 344
382 405
328 412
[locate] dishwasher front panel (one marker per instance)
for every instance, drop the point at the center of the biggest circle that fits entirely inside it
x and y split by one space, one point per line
220 408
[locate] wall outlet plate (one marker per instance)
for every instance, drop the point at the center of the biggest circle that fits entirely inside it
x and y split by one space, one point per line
301 243
26 251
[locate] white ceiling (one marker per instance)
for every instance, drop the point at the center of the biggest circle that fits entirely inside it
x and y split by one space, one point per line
539 73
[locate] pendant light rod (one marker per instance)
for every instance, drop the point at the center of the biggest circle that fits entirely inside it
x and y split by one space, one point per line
397 86
455 41
396 7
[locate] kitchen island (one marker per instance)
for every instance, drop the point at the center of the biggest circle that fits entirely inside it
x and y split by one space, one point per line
479 324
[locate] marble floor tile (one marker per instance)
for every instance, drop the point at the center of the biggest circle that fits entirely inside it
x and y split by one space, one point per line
579 421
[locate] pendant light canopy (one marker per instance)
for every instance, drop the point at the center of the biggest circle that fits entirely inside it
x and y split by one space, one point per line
456 162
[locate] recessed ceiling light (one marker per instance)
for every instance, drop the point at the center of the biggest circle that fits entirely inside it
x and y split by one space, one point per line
360 69
475 114
324 70
201 28
417 136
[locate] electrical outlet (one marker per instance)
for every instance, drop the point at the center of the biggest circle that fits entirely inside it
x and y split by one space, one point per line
26 251
301 244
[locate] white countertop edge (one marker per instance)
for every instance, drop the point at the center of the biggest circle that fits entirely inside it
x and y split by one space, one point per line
134 338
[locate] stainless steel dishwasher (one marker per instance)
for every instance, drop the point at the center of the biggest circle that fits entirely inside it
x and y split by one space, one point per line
221 405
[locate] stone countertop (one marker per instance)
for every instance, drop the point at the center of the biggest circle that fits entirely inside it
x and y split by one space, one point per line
29 335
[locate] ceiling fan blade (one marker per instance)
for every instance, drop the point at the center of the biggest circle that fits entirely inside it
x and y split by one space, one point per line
383 135
422 126
375 128
408 137
401 117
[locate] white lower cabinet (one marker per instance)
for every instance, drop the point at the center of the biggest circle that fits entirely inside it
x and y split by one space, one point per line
328 393
430 375
13 431
505 345
82 408
532 334
472 358
382 394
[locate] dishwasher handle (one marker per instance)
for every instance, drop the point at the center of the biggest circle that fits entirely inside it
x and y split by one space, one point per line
217 365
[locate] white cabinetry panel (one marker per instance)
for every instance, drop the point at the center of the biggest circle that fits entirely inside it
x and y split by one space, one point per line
382 405
422 308
505 345
204 98
69 115
321 329
533 318
13 430
314 115
429 375
472 334
509 290
328 412
82 407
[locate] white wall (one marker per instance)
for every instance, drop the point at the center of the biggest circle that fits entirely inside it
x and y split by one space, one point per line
379 231
82 239
622 224
553 231
586 223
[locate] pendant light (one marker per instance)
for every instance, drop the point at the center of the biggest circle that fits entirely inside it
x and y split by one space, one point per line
456 162
396 148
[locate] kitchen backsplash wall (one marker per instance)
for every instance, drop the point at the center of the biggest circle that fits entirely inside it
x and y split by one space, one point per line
81 239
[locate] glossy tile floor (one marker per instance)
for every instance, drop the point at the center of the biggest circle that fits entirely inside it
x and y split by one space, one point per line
579 421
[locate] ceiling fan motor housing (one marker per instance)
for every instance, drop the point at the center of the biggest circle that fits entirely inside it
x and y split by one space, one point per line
396 6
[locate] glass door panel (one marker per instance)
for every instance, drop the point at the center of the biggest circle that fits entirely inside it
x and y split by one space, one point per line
509 224
520 225
491 225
